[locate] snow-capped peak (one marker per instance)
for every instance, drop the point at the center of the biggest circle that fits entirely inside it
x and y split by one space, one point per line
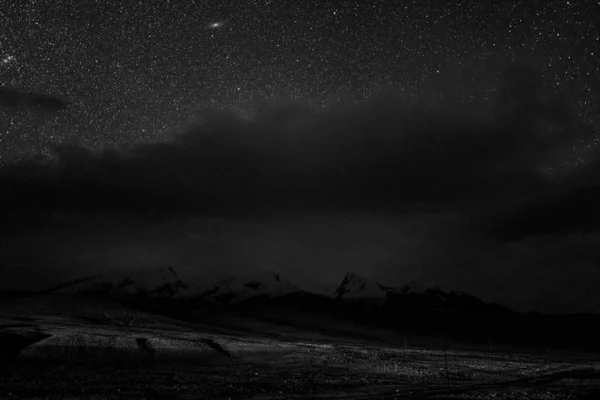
266 284
158 282
355 286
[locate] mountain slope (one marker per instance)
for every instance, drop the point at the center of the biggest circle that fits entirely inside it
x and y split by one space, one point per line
241 288
357 288
159 282
437 300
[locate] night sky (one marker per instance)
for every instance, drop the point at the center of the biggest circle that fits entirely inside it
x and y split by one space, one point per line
313 138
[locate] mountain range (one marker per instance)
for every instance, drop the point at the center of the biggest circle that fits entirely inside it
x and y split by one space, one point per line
354 289
355 304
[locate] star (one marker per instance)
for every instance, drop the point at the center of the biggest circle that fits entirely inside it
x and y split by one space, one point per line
162 56
8 59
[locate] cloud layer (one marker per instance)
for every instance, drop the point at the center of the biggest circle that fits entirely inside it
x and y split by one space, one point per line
13 98
384 153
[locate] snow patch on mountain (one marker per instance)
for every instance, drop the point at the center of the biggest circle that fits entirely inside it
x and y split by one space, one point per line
158 282
328 290
358 287
266 284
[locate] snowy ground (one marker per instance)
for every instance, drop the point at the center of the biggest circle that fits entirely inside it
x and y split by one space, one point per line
164 359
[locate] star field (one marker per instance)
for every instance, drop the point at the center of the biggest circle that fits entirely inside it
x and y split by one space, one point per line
140 71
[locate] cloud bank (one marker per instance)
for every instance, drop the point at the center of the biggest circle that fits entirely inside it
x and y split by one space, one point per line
384 153
15 99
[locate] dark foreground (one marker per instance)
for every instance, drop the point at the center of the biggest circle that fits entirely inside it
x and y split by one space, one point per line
98 351
267 370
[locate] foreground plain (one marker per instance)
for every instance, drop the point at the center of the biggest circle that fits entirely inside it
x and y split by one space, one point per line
132 355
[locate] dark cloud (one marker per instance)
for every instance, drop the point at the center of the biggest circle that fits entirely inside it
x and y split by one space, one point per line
574 212
380 154
13 98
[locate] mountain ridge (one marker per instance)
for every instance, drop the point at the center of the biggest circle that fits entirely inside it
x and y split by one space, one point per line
354 289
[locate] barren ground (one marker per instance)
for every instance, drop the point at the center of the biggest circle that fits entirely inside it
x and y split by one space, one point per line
73 358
